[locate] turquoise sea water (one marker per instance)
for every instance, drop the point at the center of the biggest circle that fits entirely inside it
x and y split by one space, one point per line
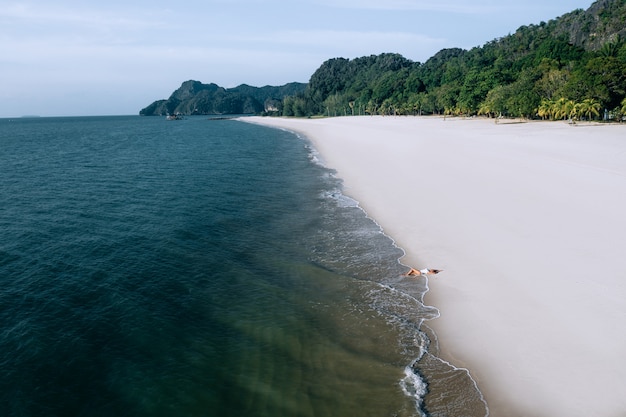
201 268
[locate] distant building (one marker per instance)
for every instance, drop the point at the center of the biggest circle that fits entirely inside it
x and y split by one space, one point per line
272 105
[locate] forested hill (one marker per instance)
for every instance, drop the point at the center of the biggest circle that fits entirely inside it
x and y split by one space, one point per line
572 66
193 97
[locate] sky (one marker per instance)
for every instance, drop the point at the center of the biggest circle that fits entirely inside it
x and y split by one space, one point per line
79 58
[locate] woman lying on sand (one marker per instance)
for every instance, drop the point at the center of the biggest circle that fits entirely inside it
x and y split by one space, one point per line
422 272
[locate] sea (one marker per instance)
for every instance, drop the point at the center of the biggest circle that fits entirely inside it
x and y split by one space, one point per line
202 267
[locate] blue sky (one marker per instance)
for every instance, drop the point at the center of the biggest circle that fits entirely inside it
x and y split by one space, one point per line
71 57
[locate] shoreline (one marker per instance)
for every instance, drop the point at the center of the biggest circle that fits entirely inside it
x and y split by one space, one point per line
527 221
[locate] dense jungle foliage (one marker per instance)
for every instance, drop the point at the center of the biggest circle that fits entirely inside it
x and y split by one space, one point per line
571 67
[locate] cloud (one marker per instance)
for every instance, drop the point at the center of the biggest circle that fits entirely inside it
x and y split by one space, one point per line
91 16
450 6
24 21
344 43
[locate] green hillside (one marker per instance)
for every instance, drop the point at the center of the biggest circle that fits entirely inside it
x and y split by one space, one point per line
572 66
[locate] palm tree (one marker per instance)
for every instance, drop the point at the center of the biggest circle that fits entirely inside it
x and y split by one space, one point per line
485 109
590 107
610 48
545 109
570 109
560 108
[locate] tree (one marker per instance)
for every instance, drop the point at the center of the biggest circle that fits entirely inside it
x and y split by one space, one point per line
539 71
475 88
545 109
607 78
589 107
610 49
495 102
416 102
564 108
622 110
551 82
288 106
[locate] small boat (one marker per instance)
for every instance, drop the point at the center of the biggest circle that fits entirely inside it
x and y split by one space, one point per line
176 116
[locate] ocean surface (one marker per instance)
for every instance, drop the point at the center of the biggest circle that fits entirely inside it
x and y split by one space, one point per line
202 268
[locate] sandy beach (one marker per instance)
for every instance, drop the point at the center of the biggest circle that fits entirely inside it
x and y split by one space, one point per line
528 222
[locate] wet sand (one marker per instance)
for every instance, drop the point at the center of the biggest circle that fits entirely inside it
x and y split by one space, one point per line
528 222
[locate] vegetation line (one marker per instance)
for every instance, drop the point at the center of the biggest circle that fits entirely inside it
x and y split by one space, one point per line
572 67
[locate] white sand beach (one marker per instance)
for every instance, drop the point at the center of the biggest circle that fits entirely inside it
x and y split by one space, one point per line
528 222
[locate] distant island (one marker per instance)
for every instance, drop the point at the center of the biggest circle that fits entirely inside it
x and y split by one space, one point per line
572 67
196 98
